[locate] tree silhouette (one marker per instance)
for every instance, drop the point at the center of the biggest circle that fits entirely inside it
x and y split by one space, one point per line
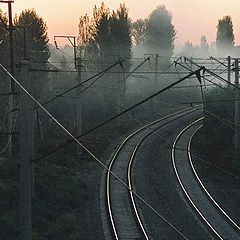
160 32
4 50
37 45
108 39
138 31
204 46
36 35
225 36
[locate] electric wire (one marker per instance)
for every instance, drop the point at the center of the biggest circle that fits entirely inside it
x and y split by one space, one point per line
10 138
136 68
226 120
118 115
80 84
205 78
64 53
222 120
216 75
92 83
4 119
212 165
89 152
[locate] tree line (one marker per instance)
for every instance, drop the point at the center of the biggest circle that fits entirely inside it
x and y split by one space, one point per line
104 38
107 34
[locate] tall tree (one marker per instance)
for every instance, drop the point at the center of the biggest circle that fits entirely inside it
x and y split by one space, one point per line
138 31
108 38
36 42
204 46
225 36
4 49
110 32
86 43
3 37
160 32
36 35
120 36
102 30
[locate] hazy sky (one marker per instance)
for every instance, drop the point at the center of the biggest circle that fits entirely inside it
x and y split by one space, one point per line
191 18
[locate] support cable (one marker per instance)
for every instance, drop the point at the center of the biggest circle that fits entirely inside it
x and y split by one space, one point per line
223 120
80 84
92 155
4 119
118 115
10 138
215 75
205 78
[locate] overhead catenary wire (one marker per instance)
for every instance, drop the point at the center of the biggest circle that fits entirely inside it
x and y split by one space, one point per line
100 74
222 63
4 119
118 115
10 138
215 75
223 120
217 167
80 84
205 78
129 73
92 83
210 101
90 153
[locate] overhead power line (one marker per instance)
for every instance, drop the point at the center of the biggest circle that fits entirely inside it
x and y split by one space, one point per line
120 114
80 84
214 74
90 153
10 138
222 120
205 78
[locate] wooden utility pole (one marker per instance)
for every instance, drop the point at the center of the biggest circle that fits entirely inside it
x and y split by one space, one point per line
26 152
237 107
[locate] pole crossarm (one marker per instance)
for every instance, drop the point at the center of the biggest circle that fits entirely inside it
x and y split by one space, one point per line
215 59
203 77
73 43
213 74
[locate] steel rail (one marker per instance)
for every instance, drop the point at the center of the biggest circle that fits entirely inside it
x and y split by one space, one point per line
180 181
131 192
205 192
204 188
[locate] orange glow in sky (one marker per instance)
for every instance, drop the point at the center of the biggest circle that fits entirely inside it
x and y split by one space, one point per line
191 18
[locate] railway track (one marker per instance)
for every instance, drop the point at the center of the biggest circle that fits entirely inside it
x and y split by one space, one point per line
124 220
207 208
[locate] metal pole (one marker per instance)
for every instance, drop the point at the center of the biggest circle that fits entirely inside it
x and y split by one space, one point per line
155 83
24 44
79 103
12 65
79 98
26 153
229 69
236 108
12 70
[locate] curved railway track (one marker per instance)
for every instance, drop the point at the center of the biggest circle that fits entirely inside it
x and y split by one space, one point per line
124 219
207 208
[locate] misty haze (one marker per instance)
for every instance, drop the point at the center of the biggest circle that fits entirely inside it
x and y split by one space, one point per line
125 126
